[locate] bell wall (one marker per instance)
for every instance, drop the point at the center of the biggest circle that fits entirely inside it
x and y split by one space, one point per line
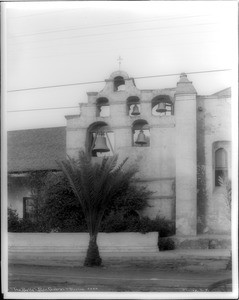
156 163
179 152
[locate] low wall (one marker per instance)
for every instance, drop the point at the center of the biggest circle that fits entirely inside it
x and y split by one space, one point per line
78 242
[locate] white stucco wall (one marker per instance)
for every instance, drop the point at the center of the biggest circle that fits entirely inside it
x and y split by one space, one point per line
186 165
217 128
78 242
155 162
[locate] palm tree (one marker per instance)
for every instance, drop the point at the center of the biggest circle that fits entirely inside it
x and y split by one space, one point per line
95 186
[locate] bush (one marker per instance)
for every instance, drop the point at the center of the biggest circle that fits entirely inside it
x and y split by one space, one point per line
115 222
165 244
60 211
16 224
63 213
161 225
13 220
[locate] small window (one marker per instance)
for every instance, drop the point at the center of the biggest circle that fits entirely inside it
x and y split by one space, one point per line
162 106
133 106
29 208
100 140
102 107
141 134
119 84
221 165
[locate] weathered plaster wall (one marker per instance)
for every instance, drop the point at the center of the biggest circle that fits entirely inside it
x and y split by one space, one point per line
214 114
78 242
157 162
180 148
186 165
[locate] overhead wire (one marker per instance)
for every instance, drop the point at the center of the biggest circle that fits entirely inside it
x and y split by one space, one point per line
113 32
48 108
95 41
98 50
102 25
101 81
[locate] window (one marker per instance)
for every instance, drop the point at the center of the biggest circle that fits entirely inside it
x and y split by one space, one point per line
29 208
102 107
221 165
162 106
141 134
119 84
100 140
133 106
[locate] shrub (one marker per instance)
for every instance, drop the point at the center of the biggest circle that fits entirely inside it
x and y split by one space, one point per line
161 225
59 210
62 212
165 244
116 222
129 202
13 220
16 224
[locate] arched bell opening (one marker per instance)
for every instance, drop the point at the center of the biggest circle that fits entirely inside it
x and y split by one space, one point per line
221 162
141 133
221 165
162 106
102 107
133 106
100 140
119 84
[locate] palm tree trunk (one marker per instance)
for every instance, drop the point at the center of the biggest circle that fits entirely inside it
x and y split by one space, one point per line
93 256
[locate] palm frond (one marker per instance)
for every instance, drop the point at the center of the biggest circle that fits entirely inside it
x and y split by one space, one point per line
227 190
96 185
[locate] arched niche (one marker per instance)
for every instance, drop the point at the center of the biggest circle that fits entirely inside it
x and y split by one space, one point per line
162 105
221 165
140 133
119 84
221 161
133 106
102 107
99 129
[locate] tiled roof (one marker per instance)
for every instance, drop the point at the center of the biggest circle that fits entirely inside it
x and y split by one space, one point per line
224 93
36 149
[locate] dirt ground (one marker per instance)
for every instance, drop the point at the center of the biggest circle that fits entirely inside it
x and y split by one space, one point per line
168 276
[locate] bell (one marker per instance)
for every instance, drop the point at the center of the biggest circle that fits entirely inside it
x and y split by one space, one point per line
161 107
100 144
135 111
141 139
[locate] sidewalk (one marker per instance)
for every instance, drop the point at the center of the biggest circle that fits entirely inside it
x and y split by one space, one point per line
213 258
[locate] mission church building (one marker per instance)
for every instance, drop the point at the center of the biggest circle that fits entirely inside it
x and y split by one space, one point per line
180 141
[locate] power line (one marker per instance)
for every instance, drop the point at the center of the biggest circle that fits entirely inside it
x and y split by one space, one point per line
198 72
76 43
34 109
103 25
100 81
98 50
115 32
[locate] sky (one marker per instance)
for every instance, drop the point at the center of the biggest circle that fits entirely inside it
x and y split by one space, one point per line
60 43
